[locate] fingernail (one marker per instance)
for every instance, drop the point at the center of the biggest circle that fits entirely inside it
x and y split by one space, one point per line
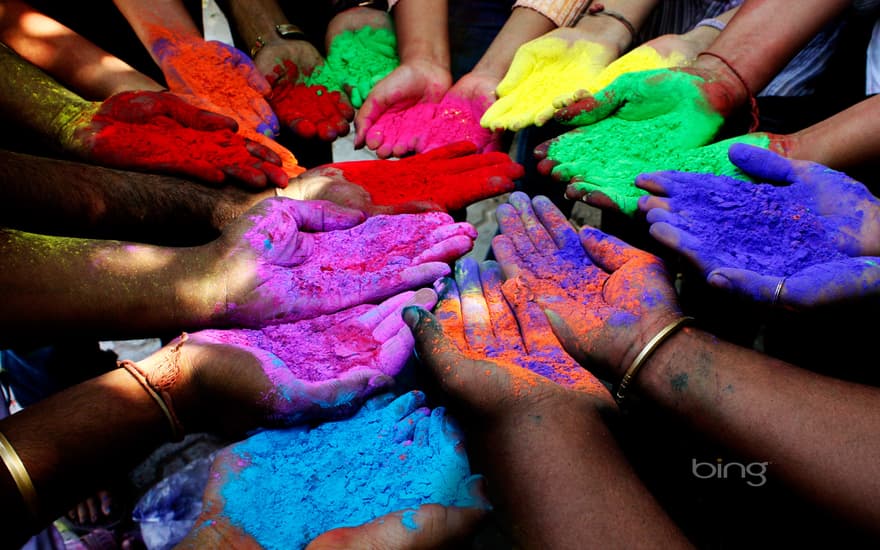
718 280
412 315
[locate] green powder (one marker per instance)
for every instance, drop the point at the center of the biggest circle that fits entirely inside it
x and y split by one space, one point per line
662 119
358 59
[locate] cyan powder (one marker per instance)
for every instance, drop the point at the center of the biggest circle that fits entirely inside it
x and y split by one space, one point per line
756 226
358 58
393 455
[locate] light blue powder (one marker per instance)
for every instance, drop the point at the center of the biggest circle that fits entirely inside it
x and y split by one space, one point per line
392 455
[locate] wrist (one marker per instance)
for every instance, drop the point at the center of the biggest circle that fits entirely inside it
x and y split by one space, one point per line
70 118
172 371
729 91
605 30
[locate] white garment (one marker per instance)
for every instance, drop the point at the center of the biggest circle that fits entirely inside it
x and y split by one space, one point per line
872 68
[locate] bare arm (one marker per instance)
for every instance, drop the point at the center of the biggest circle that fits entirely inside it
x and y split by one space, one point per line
818 434
71 58
421 38
145 15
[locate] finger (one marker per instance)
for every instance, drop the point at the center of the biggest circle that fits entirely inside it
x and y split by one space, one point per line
433 346
450 229
507 255
262 152
448 311
650 202
504 327
423 274
377 314
537 233
193 117
422 429
760 288
608 252
203 170
567 337
557 226
251 176
389 313
405 428
600 199
323 216
763 164
451 151
533 327
404 405
93 508
656 183
666 216
685 244
396 350
447 250
475 312
511 226
106 502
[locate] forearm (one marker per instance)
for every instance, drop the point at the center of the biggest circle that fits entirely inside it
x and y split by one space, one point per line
32 99
73 441
69 57
256 18
104 289
562 481
524 24
422 38
84 200
770 49
845 140
153 19
609 30
818 434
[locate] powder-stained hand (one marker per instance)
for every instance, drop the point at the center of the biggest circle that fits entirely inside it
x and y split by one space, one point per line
286 260
635 125
158 131
603 297
817 227
446 179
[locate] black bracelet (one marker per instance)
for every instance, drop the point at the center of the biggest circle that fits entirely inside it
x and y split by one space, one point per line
340 6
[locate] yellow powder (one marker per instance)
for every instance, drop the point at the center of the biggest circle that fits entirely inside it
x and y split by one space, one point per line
643 58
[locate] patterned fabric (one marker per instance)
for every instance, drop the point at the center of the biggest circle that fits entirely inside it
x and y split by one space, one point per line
562 12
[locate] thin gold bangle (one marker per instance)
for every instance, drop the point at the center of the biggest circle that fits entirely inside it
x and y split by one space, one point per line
642 357
21 477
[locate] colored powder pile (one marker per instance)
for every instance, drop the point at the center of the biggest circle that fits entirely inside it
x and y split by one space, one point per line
452 182
313 350
164 142
295 101
612 152
390 456
643 58
457 119
359 59
760 227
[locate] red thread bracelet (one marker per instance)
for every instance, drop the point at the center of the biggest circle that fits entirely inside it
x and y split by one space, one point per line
753 102
599 9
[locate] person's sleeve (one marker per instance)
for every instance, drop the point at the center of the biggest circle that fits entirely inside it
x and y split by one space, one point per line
562 12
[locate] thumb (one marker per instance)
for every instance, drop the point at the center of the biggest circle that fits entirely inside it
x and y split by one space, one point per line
432 346
566 336
319 215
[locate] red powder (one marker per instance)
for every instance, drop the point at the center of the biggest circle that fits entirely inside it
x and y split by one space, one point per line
308 109
452 177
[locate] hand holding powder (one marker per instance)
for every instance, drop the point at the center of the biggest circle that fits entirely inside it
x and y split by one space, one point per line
325 367
450 177
309 110
157 131
635 125
283 488
274 270
593 285
815 226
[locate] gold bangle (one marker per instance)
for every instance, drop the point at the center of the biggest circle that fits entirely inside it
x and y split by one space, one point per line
21 477
176 428
642 357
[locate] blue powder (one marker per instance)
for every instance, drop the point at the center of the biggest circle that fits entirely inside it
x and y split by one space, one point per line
392 455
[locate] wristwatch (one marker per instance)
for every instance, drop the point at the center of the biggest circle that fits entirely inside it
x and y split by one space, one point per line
287 31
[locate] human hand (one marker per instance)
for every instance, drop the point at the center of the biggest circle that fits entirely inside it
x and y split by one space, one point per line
401 461
158 131
493 351
219 74
324 367
448 178
400 107
458 114
358 58
546 73
817 232
309 110
673 105
603 298
267 268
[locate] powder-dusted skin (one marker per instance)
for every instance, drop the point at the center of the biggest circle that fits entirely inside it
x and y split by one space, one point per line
451 176
458 118
550 71
393 455
768 229
302 275
307 109
357 59
640 135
